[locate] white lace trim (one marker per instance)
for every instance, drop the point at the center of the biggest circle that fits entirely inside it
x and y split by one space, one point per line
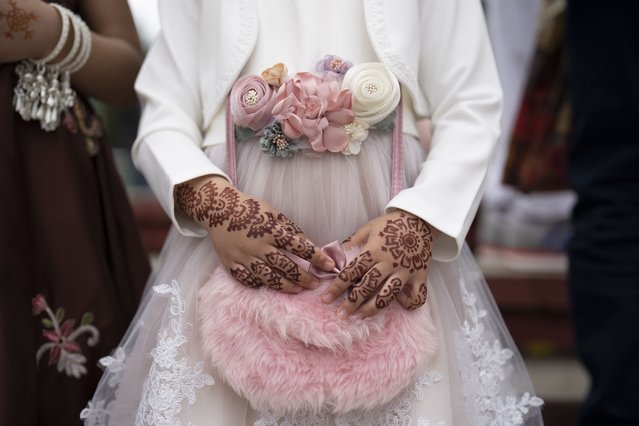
395 413
484 370
114 365
170 381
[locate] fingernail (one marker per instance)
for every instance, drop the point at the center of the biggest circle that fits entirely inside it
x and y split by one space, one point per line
314 284
298 290
342 314
329 264
327 297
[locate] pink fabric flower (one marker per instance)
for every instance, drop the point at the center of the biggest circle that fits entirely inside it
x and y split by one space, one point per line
252 101
38 304
314 106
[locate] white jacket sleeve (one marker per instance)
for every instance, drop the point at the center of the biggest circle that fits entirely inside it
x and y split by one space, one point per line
167 150
458 77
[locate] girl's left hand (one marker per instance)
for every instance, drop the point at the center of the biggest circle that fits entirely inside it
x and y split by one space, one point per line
392 264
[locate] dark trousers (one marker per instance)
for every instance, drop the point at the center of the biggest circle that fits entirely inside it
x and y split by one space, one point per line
603 45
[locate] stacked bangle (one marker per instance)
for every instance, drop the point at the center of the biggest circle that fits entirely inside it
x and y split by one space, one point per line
44 90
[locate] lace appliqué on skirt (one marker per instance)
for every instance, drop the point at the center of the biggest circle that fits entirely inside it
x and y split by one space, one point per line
171 380
396 413
485 369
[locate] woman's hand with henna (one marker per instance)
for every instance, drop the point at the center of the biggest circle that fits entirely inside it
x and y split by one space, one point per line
392 264
29 29
250 236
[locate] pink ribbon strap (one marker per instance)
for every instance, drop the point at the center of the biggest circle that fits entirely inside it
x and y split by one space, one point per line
397 159
397 167
230 143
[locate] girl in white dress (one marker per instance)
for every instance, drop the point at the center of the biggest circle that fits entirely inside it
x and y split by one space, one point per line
330 176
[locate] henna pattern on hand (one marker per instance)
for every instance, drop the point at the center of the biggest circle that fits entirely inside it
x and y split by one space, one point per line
267 275
18 21
289 226
246 215
243 275
366 287
227 209
388 293
295 245
199 204
420 299
285 265
408 240
221 208
357 267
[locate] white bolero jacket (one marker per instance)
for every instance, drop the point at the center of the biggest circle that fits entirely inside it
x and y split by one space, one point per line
438 49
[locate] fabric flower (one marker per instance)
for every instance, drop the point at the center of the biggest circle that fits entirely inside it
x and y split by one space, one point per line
275 75
357 132
314 106
276 143
375 89
334 63
252 100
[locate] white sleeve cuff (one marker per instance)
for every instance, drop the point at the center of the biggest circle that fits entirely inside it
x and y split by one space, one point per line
169 158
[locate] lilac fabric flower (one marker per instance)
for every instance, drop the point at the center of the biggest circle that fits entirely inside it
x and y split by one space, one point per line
252 101
334 63
312 105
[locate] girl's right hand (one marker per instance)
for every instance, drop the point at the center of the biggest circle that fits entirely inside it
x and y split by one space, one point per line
250 236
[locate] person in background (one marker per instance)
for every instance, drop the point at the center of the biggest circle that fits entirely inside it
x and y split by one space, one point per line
602 169
72 266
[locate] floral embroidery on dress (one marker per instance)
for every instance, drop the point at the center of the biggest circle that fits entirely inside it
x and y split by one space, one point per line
395 413
170 380
485 369
63 348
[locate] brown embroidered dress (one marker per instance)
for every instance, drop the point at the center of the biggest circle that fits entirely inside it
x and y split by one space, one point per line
66 232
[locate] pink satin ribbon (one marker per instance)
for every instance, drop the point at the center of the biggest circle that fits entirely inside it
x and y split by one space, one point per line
335 251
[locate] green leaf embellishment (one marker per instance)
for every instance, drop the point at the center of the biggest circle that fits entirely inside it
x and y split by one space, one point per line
47 323
87 318
59 314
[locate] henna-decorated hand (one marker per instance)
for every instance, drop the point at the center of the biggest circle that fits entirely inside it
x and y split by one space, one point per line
28 28
250 236
392 264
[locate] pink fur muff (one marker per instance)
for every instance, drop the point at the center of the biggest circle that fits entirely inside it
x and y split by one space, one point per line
291 353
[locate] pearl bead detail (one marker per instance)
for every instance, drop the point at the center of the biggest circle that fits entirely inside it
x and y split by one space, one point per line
251 97
372 88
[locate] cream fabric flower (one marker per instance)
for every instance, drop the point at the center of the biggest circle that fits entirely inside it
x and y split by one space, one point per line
375 89
357 132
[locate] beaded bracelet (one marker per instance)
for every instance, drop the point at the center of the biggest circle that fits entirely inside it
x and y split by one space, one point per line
44 90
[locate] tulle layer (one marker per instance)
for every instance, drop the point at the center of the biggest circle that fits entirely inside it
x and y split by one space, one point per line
159 375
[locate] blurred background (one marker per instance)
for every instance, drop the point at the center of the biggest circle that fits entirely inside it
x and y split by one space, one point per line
521 230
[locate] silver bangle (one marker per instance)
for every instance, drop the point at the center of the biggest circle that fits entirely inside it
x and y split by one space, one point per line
44 92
